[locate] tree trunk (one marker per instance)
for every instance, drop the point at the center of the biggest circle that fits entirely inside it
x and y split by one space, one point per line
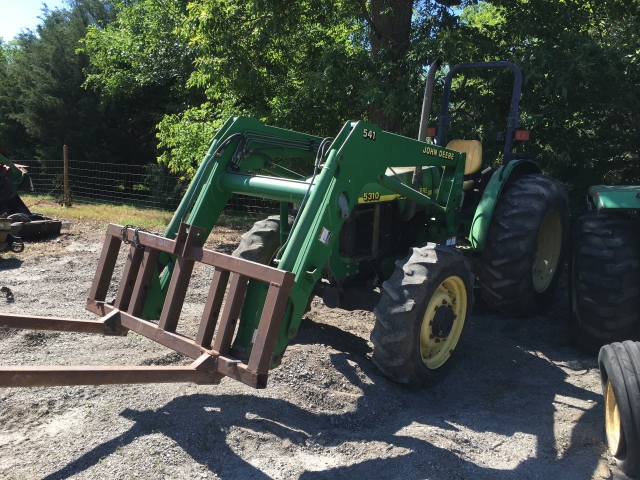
390 34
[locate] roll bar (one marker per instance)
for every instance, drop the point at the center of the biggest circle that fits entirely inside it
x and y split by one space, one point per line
513 121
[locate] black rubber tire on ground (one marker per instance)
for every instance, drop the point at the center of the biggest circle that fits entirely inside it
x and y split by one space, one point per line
513 239
620 372
605 280
261 243
400 313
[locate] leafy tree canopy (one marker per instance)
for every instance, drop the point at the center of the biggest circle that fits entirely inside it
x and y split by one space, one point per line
184 67
44 101
581 89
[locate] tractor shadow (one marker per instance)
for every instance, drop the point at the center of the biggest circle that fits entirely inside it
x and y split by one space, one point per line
10 263
313 332
507 384
6 295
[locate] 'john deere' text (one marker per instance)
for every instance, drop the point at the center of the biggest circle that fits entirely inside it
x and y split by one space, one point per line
438 153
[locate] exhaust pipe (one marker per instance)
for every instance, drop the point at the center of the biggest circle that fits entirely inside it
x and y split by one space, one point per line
416 181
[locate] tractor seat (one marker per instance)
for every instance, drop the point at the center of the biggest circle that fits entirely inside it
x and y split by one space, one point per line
473 149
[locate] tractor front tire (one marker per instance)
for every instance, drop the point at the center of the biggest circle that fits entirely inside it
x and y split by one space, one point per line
261 243
605 280
620 375
422 315
526 244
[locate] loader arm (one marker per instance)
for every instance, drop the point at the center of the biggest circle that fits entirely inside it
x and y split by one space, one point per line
353 166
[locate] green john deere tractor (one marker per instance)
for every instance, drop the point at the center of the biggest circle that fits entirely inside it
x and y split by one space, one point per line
384 210
383 222
605 299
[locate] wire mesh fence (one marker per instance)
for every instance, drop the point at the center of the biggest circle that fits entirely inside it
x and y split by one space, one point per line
143 186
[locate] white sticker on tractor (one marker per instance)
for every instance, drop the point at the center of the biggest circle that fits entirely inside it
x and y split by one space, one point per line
451 241
325 236
255 335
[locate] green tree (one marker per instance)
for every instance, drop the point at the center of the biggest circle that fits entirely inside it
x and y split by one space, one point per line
141 65
306 65
292 64
313 64
581 94
14 140
43 91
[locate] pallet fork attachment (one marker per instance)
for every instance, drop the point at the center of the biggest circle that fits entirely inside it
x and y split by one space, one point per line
212 360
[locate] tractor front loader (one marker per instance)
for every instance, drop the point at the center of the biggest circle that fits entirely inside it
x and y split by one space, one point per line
382 221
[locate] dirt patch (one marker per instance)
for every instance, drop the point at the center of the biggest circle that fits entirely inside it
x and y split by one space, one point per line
520 403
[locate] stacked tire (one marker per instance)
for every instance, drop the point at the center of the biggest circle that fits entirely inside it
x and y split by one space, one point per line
605 280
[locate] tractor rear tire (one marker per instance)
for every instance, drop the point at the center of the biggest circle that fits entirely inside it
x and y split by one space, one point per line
605 280
261 243
620 374
526 246
422 315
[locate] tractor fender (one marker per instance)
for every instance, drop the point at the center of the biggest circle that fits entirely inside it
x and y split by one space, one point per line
619 197
484 211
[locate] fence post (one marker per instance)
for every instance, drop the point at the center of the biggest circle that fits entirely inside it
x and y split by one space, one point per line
67 193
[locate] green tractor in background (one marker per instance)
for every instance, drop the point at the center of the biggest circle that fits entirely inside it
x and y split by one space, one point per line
605 299
605 280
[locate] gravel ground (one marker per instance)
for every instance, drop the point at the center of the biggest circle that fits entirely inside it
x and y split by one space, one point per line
520 403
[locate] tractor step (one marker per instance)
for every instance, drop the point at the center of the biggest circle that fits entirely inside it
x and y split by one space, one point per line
212 360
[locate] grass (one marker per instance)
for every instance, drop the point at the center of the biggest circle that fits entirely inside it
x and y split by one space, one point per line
105 213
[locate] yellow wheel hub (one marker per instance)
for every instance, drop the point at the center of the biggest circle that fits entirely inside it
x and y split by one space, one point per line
612 425
548 246
445 315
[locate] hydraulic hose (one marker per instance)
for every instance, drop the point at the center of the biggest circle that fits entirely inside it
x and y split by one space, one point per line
319 156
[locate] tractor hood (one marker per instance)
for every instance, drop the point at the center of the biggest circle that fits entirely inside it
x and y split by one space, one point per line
615 196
